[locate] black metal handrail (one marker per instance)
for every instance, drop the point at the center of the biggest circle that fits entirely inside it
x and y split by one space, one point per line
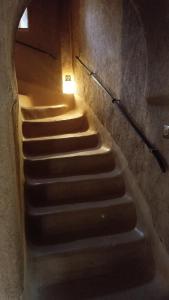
157 154
36 49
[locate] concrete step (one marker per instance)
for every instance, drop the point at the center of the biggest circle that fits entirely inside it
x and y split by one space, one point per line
40 112
73 189
67 123
60 143
65 223
82 162
122 256
132 286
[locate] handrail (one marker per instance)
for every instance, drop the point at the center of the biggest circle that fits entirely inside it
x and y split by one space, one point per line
157 154
36 49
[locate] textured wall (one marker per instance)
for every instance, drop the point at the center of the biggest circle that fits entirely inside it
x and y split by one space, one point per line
126 43
39 74
65 37
155 20
43 30
11 248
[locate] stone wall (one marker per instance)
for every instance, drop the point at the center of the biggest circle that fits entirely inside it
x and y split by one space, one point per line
38 73
11 244
126 44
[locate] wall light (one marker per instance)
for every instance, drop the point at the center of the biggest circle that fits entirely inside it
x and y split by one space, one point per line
69 86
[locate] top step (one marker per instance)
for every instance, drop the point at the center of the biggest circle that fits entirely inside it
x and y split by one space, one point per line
42 112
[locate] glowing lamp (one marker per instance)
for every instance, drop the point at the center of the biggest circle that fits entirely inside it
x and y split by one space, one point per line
68 85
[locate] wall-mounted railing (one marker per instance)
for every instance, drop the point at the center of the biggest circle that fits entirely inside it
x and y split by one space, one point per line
36 49
157 154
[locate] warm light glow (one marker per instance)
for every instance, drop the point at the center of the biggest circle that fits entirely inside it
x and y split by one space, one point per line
69 86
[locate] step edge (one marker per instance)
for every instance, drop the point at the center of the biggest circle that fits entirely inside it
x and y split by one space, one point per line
75 178
59 209
87 133
133 236
54 119
42 107
79 154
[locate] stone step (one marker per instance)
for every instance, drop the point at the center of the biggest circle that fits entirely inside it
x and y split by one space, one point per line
61 143
122 256
73 189
65 223
40 112
66 123
81 162
129 286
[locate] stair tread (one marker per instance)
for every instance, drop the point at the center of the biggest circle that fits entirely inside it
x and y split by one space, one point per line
74 178
152 287
61 143
101 150
42 112
135 235
43 107
50 210
64 117
62 136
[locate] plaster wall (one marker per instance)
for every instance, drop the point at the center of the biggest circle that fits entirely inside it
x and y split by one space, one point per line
125 43
39 74
11 243
65 38
43 29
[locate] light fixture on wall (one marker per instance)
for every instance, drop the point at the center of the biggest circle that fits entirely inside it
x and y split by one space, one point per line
68 85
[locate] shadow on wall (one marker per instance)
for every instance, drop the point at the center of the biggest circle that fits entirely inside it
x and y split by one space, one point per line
155 18
145 76
38 74
122 41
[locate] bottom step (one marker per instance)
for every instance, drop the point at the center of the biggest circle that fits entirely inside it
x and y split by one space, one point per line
100 288
105 288
120 256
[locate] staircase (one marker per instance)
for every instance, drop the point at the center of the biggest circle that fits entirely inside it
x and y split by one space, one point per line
82 228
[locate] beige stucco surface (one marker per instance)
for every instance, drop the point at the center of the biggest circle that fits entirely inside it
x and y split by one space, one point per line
11 248
125 43
38 73
11 227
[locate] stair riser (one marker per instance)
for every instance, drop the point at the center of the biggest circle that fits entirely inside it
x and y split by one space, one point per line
51 168
31 114
71 192
75 225
54 146
40 129
124 262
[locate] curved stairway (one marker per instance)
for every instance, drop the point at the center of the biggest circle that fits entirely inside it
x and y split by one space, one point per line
81 223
